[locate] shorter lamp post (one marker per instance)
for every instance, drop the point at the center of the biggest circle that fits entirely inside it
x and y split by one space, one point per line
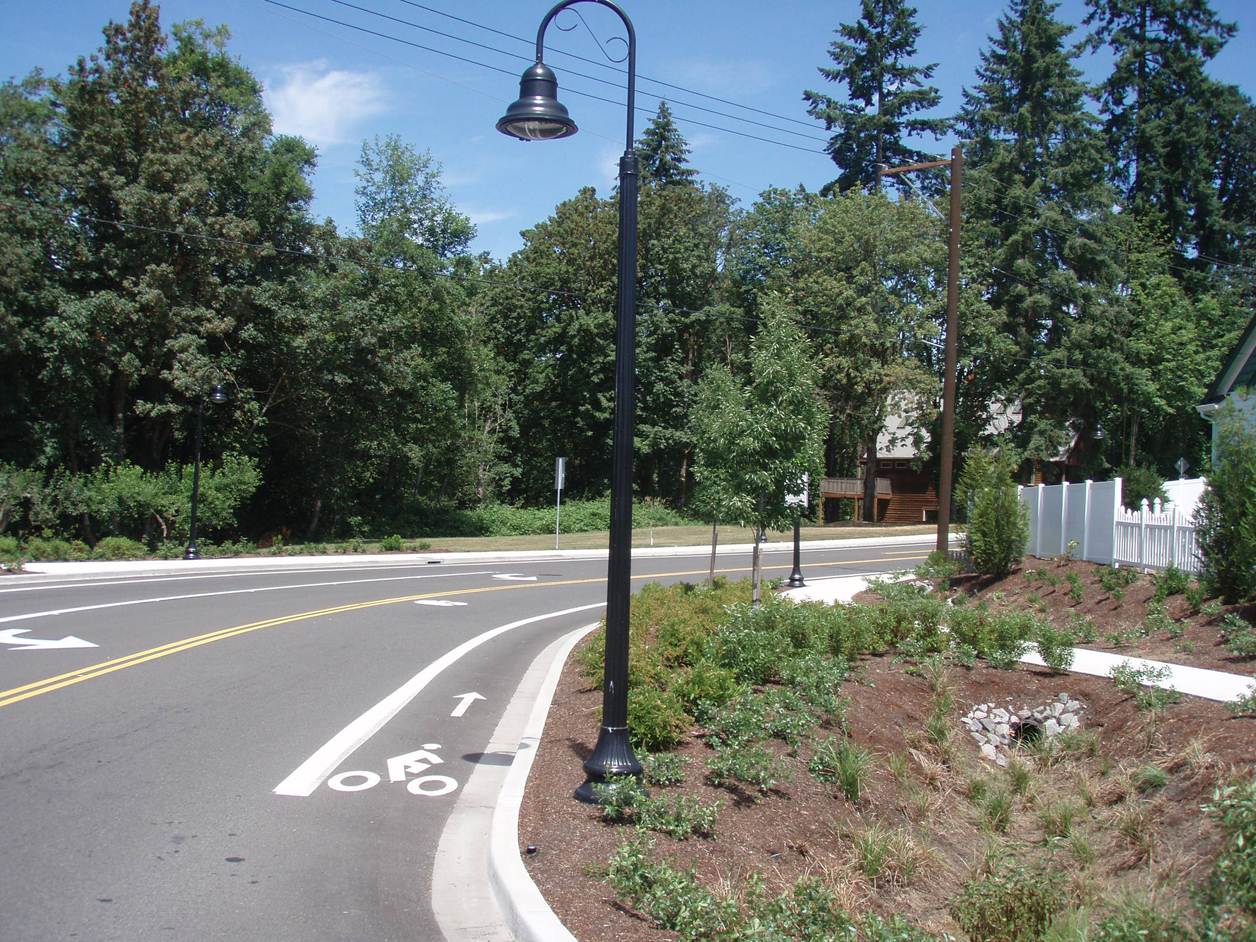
798 502
218 397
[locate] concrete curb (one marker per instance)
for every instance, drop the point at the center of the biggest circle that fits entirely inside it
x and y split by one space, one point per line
236 563
527 915
481 891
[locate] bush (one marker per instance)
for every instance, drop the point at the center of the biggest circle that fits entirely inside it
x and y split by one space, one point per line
1012 903
1228 896
1055 647
391 544
1225 520
998 523
656 720
1139 484
11 555
47 547
119 547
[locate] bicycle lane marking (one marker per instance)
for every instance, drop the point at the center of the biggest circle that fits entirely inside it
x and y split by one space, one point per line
314 771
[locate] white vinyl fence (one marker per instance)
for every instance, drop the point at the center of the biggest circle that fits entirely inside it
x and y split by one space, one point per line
1090 514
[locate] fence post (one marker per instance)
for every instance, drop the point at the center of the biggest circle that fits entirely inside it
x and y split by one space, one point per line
1038 535
1173 541
1085 524
1063 517
1142 533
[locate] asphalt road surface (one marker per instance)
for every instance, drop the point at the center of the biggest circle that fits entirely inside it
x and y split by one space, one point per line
270 754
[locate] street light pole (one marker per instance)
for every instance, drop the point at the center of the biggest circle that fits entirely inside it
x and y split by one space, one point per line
538 116
946 457
217 396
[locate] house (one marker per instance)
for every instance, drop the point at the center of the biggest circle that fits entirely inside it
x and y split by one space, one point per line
905 492
1235 384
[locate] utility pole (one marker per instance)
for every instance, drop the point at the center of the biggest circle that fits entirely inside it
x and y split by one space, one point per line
950 360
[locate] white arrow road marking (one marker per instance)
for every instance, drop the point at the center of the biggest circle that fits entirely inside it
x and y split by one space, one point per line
10 636
439 603
314 770
467 699
515 577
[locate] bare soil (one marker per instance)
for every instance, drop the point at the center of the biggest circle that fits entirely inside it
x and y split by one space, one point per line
934 795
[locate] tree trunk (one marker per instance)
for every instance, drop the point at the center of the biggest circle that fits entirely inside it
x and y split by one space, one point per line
756 570
870 481
318 510
714 540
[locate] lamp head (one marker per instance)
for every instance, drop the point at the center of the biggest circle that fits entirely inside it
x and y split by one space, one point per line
1098 434
538 115
218 396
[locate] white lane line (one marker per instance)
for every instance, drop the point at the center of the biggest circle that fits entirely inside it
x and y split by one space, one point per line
313 771
228 574
210 595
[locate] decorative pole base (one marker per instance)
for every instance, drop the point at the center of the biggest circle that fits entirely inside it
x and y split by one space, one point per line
612 759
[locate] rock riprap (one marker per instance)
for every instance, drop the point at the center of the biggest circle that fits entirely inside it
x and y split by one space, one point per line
997 729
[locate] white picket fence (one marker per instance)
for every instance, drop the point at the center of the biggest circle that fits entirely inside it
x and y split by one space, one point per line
1090 515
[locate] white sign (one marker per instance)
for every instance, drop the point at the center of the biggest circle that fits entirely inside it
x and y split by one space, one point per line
10 636
799 499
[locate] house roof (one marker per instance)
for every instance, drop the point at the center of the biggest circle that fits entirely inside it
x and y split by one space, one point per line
1239 369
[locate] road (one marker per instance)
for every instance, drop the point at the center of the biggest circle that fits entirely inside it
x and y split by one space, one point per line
270 753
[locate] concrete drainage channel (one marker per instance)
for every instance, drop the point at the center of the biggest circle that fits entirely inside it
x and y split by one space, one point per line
999 728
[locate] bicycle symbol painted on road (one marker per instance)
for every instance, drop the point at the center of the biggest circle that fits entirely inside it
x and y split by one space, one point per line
400 768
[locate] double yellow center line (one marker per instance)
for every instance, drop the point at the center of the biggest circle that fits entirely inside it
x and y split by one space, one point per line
18 694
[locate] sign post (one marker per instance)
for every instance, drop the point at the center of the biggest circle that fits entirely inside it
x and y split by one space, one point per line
560 475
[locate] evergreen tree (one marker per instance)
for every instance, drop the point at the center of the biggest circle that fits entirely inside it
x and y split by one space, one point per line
1160 108
886 96
663 152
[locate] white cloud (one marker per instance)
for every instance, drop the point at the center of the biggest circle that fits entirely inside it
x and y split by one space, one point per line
483 217
322 105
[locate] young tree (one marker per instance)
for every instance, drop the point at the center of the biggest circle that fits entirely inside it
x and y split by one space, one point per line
998 522
663 152
757 439
1226 517
865 279
886 93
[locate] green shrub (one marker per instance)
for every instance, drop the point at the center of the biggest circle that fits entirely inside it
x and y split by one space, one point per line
656 720
1170 581
1055 647
705 688
1228 895
47 548
1011 903
391 544
1225 518
751 644
738 764
662 769
1139 484
119 547
998 523
1239 635
11 555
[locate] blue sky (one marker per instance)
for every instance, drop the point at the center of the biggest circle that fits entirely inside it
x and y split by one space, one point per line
336 85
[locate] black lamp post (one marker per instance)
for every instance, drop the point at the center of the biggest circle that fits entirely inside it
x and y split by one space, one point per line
539 116
218 397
